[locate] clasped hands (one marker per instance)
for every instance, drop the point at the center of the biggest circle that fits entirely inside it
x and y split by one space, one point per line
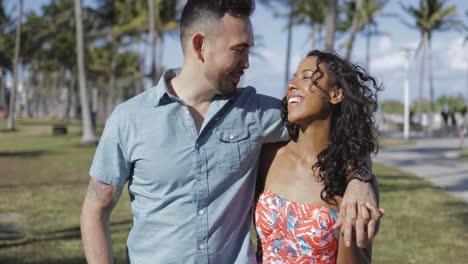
359 216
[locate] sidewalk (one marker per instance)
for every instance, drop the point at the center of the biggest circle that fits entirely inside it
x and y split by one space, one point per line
432 159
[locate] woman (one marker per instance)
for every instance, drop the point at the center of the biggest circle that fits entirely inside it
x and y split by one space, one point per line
328 110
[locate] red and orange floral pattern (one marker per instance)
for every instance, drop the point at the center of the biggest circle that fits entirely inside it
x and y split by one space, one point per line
292 232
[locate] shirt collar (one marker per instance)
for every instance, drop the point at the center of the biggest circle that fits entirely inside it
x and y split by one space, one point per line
162 95
161 90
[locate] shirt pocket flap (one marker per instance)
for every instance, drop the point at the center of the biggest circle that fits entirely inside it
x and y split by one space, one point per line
232 135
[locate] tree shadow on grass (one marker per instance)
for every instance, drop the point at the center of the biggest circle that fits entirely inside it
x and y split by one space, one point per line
43 184
10 232
59 234
461 211
23 154
71 260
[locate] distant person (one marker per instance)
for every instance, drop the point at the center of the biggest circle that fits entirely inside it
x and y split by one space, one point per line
189 149
328 110
444 118
425 123
462 132
445 127
463 129
453 119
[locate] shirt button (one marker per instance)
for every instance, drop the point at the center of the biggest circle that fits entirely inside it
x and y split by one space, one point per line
201 246
201 212
231 136
187 112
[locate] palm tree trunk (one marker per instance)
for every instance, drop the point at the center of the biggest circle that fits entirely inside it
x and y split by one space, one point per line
111 90
466 98
152 40
313 36
68 102
331 24
74 104
354 28
431 83
160 52
288 47
27 98
16 62
42 108
89 133
421 79
368 44
2 90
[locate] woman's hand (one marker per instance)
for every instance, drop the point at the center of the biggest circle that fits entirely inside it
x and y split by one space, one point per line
359 214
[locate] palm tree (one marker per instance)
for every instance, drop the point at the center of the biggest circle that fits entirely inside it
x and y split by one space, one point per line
372 8
55 63
5 61
152 38
312 13
109 16
354 26
34 31
430 16
166 22
292 12
16 62
332 12
89 133
464 43
361 19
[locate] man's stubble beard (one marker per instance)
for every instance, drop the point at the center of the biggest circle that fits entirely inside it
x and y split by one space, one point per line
219 83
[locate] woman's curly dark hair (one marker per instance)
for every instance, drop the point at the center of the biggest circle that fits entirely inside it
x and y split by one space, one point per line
353 130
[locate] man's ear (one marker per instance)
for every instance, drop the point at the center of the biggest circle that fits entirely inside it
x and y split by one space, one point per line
198 45
336 95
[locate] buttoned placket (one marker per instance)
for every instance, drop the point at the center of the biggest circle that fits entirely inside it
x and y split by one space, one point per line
201 179
201 195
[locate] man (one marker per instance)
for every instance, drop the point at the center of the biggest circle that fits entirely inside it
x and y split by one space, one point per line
189 150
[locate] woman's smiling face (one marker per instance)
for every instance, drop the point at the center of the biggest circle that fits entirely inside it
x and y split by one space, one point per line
308 93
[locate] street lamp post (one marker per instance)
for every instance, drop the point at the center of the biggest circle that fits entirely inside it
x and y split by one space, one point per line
406 123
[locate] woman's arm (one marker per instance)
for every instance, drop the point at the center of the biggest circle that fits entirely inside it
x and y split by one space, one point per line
353 254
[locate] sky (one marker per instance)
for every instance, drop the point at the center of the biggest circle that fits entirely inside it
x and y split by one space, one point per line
267 74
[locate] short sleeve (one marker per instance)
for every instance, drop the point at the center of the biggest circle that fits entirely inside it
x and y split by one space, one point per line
110 165
273 128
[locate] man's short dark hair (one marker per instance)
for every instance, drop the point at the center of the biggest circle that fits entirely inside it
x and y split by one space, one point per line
202 11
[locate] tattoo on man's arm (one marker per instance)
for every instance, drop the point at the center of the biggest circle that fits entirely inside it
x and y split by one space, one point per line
106 194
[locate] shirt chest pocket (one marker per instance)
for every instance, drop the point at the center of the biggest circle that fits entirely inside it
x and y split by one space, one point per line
234 146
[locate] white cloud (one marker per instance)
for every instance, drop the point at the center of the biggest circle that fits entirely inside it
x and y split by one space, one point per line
267 61
390 61
392 56
456 54
385 43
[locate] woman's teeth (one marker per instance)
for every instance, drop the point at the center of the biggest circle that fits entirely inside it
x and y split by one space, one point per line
295 100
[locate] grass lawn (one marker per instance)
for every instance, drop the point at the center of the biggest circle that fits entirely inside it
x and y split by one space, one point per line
43 180
464 155
385 142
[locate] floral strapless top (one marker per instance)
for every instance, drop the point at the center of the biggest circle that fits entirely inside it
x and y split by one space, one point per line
292 232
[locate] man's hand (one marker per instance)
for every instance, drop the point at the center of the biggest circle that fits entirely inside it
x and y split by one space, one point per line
358 210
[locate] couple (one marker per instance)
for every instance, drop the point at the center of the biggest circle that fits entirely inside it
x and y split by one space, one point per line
189 149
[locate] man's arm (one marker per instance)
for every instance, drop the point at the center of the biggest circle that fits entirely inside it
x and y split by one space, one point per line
100 199
364 222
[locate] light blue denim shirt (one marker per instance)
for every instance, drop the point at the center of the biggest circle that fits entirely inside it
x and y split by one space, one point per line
191 193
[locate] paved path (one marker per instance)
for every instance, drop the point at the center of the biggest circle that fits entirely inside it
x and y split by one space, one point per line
432 159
